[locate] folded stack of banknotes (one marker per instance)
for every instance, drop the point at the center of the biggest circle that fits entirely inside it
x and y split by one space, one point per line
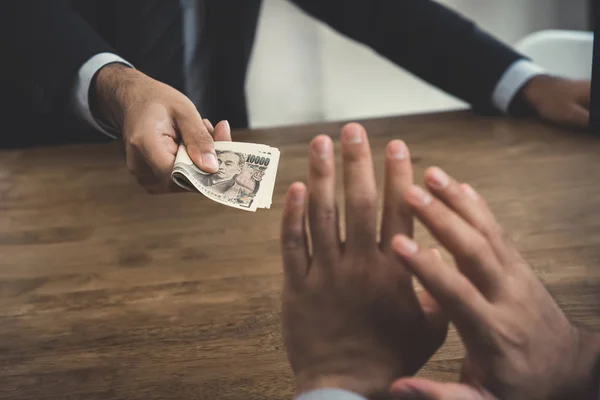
245 179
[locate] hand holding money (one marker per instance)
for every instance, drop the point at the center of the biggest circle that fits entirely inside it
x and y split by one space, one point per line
245 178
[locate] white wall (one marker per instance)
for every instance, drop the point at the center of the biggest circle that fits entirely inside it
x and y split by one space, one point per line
302 71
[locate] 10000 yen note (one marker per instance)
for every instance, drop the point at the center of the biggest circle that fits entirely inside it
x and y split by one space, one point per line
245 178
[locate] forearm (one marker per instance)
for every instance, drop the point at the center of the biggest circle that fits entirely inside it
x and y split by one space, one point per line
426 38
111 95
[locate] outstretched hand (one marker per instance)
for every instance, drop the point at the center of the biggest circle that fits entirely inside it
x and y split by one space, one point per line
519 343
351 318
154 118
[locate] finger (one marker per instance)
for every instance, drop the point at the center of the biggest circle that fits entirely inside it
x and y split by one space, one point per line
359 189
458 298
143 167
425 389
427 302
142 172
159 152
583 92
577 116
198 141
397 216
136 164
465 202
472 251
294 246
432 311
222 132
209 126
323 214
146 178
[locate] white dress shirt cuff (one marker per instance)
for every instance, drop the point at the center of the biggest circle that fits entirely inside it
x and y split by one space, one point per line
513 79
81 88
330 394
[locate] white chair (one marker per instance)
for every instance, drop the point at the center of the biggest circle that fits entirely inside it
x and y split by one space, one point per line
561 52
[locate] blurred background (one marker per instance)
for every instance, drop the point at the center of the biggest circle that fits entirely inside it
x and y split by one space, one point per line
323 76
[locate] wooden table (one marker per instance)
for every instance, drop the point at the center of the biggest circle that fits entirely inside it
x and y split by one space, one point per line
109 293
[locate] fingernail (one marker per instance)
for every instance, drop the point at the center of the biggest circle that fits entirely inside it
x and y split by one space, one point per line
297 196
207 122
437 254
322 148
438 179
398 150
353 135
418 196
227 126
405 246
470 191
209 160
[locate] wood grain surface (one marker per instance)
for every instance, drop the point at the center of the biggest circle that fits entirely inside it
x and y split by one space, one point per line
107 292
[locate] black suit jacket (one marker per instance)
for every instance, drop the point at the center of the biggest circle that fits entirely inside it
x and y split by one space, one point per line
44 42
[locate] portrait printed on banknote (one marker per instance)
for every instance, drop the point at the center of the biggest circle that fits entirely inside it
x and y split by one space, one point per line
238 178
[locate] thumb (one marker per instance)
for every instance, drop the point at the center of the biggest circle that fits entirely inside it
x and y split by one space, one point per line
196 138
424 389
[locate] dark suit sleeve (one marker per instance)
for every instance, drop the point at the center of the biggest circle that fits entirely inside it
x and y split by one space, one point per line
43 44
426 38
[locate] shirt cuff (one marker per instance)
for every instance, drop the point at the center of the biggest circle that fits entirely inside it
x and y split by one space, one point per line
81 88
514 78
329 394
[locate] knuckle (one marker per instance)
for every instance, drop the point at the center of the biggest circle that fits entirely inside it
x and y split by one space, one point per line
202 136
478 249
198 137
326 214
573 114
547 112
181 104
365 203
357 157
292 242
489 229
320 171
511 334
186 104
135 141
504 237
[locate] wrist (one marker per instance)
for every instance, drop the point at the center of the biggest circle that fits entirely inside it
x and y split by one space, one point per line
111 94
534 93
